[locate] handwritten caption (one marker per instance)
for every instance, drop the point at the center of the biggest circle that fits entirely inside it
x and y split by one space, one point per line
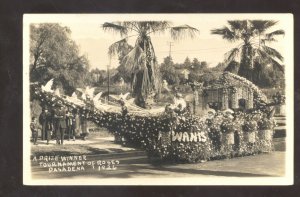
73 163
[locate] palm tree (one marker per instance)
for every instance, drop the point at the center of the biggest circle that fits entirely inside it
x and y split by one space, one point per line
252 49
141 60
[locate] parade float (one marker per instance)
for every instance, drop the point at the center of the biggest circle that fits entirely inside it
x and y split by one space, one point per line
181 136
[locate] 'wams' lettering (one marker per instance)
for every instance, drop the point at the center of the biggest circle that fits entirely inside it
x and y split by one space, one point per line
189 137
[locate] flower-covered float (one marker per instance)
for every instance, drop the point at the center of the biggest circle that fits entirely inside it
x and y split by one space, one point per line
180 136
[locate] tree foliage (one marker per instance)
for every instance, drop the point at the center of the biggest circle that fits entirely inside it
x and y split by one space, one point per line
98 76
198 66
233 67
123 72
141 60
168 71
253 38
53 54
187 63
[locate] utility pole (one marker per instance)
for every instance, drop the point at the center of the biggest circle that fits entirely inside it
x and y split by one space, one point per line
108 78
170 49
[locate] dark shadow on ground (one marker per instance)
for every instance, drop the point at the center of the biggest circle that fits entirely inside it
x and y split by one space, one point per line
97 151
131 171
211 172
116 150
53 153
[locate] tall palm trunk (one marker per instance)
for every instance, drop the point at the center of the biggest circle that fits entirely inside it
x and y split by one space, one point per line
145 78
137 90
246 67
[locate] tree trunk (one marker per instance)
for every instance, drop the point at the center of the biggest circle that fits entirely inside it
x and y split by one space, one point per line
245 69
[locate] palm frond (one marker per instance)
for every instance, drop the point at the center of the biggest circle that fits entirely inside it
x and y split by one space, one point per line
130 25
117 46
275 33
183 31
264 40
231 55
232 67
158 26
115 27
272 52
270 23
262 55
238 25
262 25
258 25
267 59
135 59
226 33
277 65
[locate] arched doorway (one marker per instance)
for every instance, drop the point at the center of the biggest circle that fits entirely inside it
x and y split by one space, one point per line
242 104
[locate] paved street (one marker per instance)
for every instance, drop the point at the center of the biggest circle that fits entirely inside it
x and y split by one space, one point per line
135 164
251 166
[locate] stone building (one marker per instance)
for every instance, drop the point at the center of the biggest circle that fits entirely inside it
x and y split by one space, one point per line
229 91
227 97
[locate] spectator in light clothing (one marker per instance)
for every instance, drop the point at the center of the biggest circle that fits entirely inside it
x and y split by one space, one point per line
76 123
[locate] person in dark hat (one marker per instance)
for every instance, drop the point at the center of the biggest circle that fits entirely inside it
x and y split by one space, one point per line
60 123
70 124
84 125
45 120
34 129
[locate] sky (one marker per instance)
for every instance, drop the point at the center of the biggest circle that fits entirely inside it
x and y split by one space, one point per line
94 42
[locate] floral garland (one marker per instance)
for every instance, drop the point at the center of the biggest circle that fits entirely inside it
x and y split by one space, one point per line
170 136
266 124
227 126
278 99
250 126
233 89
243 80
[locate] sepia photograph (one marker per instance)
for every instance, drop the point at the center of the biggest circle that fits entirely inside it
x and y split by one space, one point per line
158 99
